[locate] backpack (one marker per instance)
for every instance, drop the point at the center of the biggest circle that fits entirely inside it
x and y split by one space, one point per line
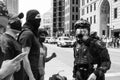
20 34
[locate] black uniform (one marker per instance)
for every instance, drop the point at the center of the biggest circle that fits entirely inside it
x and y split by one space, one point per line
86 55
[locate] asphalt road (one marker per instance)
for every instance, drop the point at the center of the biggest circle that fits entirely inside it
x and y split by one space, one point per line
65 55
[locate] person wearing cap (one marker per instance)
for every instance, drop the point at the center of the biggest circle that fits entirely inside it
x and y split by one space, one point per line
89 52
43 53
10 46
3 23
30 44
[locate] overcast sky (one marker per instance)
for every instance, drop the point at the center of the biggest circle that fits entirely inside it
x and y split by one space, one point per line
41 5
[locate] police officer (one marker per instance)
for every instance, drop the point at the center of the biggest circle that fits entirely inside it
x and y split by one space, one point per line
91 58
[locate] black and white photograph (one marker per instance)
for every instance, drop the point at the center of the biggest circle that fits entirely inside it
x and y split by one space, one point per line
59 39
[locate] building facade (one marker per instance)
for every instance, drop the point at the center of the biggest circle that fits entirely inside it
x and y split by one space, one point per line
72 14
104 16
12 6
58 17
47 22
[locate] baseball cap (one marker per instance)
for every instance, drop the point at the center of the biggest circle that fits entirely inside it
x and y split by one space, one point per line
15 22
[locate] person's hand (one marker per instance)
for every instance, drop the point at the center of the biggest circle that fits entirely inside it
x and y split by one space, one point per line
54 55
19 67
9 67
92 77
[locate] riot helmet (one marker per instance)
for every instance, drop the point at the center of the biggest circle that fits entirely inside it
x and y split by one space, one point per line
82 24
82 28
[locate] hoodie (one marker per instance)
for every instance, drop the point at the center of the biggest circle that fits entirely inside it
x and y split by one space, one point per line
31 22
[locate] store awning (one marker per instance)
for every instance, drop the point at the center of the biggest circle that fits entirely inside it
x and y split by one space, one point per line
116 30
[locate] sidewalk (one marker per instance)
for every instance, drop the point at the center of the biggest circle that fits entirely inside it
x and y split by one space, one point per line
54 66
114 49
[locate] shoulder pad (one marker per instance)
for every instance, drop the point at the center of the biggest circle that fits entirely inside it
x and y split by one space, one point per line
100 44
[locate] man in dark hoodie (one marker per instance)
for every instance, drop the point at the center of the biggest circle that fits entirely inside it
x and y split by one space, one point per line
28 38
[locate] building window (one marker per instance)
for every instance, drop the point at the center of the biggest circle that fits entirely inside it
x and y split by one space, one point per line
94 18
91 20
73 9
76 1
76 9
54 4
83 11
94 6
115 13
76 17
90 8
103 32
115 0
72 17
73 2
87 20
83 2
72 26
60 3
87 1
87 9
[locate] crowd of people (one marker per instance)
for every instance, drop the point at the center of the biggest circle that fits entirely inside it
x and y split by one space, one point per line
113 42
23 54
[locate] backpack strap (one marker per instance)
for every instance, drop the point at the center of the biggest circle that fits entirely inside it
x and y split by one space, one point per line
20 34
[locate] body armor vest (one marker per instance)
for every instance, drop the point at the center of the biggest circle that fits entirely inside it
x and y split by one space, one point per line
82 55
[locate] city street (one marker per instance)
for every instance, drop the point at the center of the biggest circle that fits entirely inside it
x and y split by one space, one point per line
64 63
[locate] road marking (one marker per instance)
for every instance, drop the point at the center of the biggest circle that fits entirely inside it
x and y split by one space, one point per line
112 74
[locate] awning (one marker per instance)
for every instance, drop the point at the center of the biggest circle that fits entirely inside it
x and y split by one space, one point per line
115 30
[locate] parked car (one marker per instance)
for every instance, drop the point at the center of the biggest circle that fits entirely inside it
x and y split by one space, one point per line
73 41
47 39
52 40
64 41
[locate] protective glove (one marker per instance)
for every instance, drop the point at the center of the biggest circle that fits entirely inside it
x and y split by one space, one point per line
54 55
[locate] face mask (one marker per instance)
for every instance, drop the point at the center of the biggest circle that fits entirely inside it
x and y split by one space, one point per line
79 36
41 39
81 33
35 23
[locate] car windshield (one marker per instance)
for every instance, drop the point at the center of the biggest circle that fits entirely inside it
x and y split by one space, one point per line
66 39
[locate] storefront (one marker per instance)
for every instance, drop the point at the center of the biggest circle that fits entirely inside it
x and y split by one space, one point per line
115 32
